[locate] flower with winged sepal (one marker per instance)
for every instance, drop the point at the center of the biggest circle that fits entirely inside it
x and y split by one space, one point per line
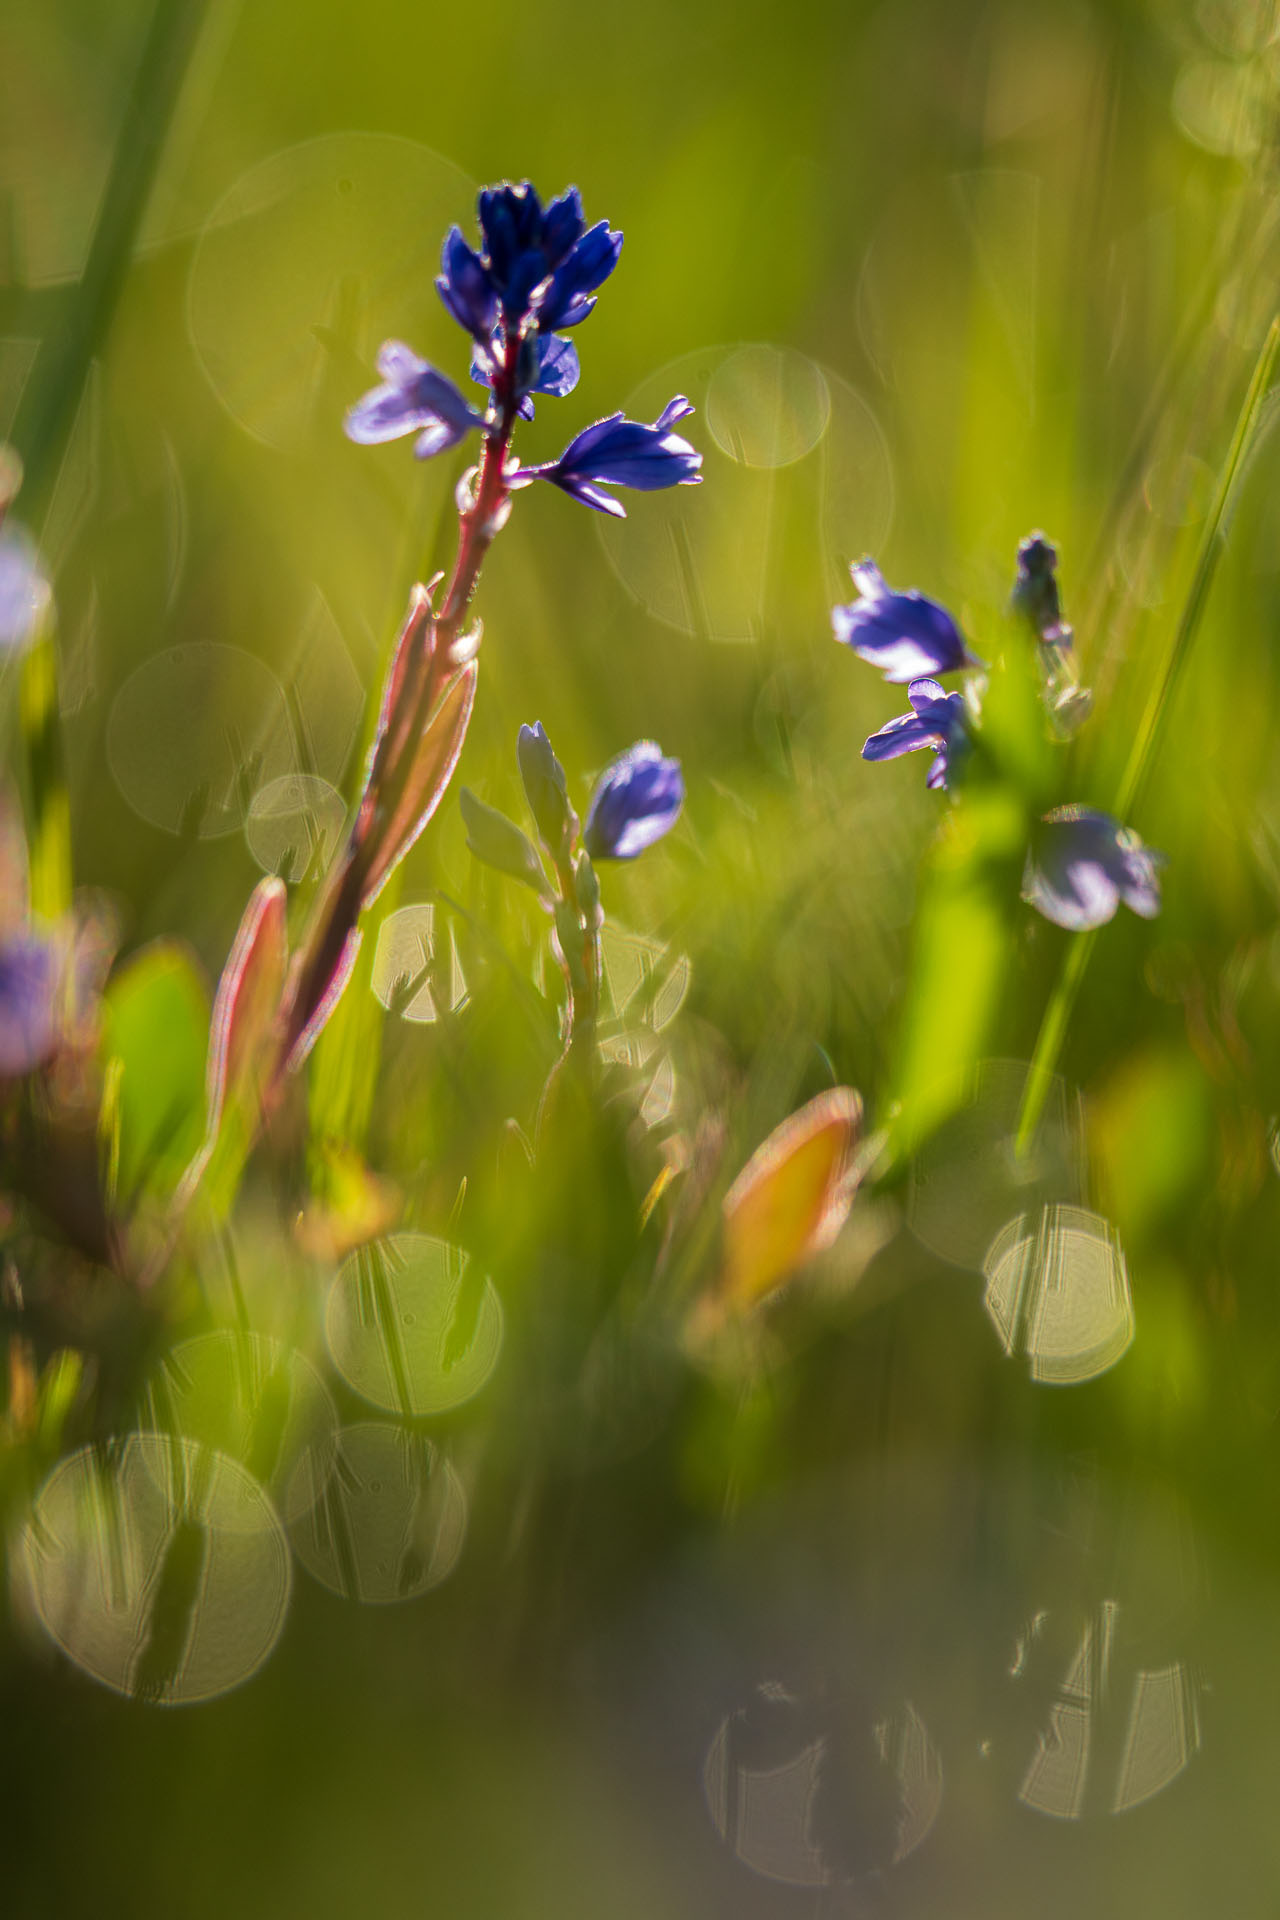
905 634
1081 866
937 720
637 799
617 452
414 398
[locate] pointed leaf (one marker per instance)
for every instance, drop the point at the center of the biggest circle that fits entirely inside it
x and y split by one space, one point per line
791 1199
418 791
248 1001
499 842
414 647
338 979
156 1023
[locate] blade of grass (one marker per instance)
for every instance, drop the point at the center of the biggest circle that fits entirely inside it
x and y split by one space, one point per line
51 405
1057 1014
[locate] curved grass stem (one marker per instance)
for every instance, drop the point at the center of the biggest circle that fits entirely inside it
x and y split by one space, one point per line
1057 1014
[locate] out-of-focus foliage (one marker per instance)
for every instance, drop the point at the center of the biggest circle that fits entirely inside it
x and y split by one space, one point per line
575 1474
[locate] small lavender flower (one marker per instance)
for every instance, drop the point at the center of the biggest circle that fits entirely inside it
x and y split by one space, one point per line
906 634
636 801
30 975
1035 591
1083 864
534 262
617 452
414 398
24 591
937 720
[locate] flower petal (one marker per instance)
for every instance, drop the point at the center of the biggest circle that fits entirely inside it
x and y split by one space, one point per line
906 635
905 733
565 301
413 397
1083 864
637 799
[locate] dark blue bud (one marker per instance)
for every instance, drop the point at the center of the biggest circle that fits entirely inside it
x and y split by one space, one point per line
1035 591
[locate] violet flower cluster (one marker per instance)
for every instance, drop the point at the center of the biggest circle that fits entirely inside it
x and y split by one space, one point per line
911 639
537 271
1082 864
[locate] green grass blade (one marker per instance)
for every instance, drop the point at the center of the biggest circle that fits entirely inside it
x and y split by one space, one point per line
1057 1014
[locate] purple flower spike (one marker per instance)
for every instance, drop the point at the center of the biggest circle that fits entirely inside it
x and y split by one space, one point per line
1083 864
24 591
905 634
413 398
937 720
30 972
637 798
617 452
534 262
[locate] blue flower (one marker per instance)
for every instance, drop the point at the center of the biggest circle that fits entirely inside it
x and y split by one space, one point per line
1035 591
535 262
904 633
637 798
1083 864
24 591
31 970
547 364
617 452
413 398
937 720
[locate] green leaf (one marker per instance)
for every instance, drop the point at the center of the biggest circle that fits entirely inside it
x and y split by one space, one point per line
499 842
156 1024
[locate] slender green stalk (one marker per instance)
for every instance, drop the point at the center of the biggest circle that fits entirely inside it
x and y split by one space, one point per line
46 418
52 401
1212 545
1057 1014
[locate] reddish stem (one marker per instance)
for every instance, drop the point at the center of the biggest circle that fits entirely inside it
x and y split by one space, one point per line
339 907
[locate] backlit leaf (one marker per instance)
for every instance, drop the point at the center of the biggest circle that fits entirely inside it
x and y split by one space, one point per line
791 1199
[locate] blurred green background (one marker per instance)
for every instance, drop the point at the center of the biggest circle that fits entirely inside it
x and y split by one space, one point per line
961 1594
